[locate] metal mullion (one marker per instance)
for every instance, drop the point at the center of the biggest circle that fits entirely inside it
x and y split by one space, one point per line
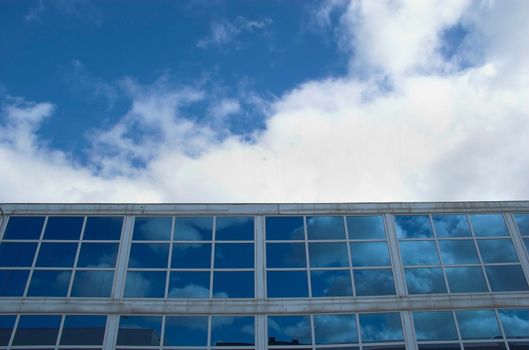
122 260
394 254
76 259
312 331
111 332
168 272
15 327
440 256
259 247
59 334
474 237
32 268
408 330
498 319
209 331
349 255
309 282
162 330
358 331
519 245
212 262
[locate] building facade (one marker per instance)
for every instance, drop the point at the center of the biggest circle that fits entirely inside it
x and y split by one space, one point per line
265 276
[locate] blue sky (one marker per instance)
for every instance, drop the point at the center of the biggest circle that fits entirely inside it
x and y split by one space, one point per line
254 101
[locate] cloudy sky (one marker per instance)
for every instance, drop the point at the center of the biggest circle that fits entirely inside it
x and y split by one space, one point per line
264 101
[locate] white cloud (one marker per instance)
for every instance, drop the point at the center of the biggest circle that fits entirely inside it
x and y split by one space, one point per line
224 32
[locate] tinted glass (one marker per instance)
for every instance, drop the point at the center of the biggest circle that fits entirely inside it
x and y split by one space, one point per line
365 227
506 278
232 330
13 282
234 228
83 330
103 228
526 243
487 225
478 324
485 346
152 228
466 279
24 227
233 285
435 325
287 284
515 322
522 222
185 284
234 255
285 255
380 327
186 331
63 227
92 284
328 254
98 255
370 254
139 330
374 282
439 346
6 327
331 283
284 228
145 284
425 280
325 227
193 228
49 283
451 226
56 254
194 255
17 254
335 329
419 253
497 250
37 330
458 252
149 255
413 226
289 330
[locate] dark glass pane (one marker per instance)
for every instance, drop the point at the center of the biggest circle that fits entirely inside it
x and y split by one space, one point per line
56 255
287 284
484 346
13 282
439 346
196 255
365 227
145 284
284 228
49 283
233 284
152 228
380 327
434 325
458 252
425 280
331 283
186 331
451 226
515 322
24 227
506 278
487 225
37 330
385 347
289 330
413 226
328 254
17 254
497 250
478 324
419 253
103 228
325 227
193 228
335 329
522 222
149 255
374 282
234 228
6 327
232 331
466 279
526 243
284 255
98 255
93 284
519 345
370 254
139 330
63 227
234 255
185 284
83 330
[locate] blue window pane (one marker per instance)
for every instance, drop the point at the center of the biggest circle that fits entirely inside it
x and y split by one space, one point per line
56 255
497 250
145 284
381 327
13 282
24 227
487 225
506 278
149 255
6 328
93 284
289 330
458 252
287 284
152 228
425 280
234 255
233 285
103 228
451 226
63 227
139 330
186 331
370 254
365 227
17 254
331 283
232 330
196 255
435 325
522 222
413 226
83 330
489 346
49 283
335 329
419 253
189 285
234 228
526 243
193 228
98 255
37 330
284 255
284 228
325 227
374 282
515 322
466 279
328 254
478 324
